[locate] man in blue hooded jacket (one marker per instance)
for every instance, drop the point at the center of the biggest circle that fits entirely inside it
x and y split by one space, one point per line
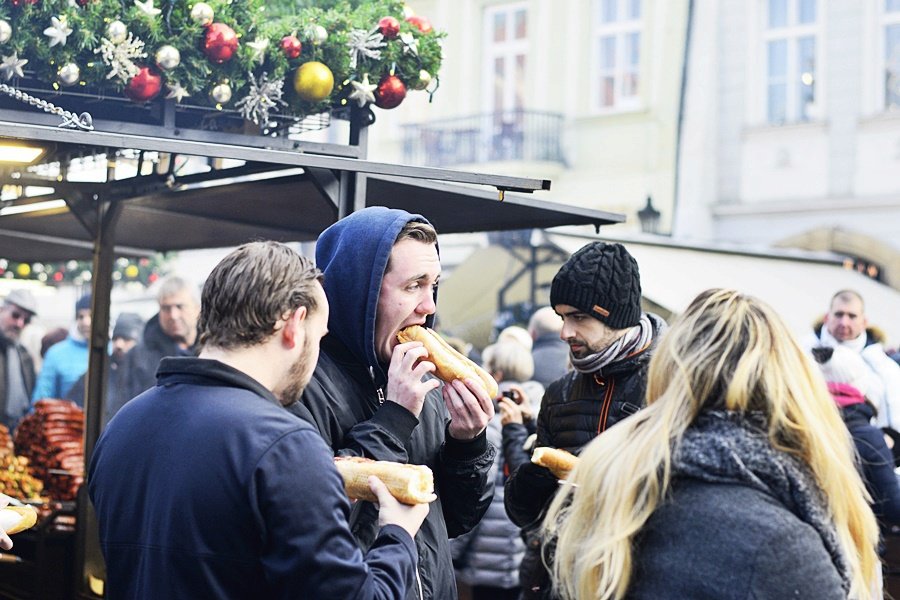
369 395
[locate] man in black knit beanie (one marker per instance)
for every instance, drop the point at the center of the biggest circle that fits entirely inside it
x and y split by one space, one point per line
597 292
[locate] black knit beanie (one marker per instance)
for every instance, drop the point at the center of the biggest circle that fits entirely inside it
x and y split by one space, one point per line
601 280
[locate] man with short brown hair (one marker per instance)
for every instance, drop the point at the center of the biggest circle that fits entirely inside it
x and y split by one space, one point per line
205 487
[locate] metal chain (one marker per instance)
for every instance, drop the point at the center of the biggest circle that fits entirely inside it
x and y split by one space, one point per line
83 121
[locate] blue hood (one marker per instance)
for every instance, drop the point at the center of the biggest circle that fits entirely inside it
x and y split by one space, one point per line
353 254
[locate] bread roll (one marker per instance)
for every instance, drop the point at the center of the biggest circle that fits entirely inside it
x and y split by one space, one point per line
450 364
409 484
558 461
14 519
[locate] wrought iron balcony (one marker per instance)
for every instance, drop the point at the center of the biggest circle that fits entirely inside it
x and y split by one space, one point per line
518 135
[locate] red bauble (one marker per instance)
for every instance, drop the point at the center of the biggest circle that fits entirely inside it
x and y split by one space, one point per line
421 23
390 92
291 46
85 2
390 27
144 86
221 43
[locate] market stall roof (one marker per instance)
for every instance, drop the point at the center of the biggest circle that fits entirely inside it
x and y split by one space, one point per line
293 200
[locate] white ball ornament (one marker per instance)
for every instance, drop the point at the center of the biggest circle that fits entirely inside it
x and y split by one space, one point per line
221 93
117 31
168 57
69 74
5 31
319 35
202 14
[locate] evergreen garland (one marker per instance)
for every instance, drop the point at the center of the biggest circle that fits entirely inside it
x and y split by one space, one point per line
250 19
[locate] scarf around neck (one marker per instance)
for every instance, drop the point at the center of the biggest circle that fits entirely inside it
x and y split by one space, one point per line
729 447
635 339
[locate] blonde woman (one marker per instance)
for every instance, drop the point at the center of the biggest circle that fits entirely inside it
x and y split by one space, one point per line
736 481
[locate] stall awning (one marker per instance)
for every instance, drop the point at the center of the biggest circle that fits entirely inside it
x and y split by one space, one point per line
797 284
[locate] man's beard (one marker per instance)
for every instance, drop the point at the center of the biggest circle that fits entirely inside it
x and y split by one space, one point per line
296 379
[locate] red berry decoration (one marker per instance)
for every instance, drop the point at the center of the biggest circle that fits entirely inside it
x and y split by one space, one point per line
144 86
221 43
390 92
421 23
291 46
390 27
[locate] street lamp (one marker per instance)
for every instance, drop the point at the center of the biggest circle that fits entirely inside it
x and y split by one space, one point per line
649 217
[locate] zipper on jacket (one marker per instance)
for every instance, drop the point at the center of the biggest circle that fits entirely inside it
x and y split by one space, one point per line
604 409
419 582
378 390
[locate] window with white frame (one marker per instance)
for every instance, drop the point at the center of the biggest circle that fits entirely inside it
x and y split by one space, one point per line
790 36
506 48
891 56
616 50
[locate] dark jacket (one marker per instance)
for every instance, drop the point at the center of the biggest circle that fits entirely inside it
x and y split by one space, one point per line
574 410
204 487
142 361
551 358
345 400
116 392
28 376
728 541
876 462
740 520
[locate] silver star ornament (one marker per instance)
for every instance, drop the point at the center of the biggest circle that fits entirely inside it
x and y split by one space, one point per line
177 92
58 31
12 66
258 47
147 8
363 91
410 43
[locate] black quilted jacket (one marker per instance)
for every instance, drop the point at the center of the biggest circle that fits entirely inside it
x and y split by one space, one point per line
574 410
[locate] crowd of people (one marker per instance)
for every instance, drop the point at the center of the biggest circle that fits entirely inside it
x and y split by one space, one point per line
718 456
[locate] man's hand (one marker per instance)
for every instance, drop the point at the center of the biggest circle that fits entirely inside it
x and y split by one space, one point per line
509 412
405 385
392 512
470 408
5 541
523 402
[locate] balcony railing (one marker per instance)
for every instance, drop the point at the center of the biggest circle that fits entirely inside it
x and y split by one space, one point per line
518 135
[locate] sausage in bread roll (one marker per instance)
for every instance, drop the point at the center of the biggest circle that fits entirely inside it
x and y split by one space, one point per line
409 484
450 364
558 461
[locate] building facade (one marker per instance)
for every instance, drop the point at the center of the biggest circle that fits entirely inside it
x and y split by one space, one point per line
586 93
791 128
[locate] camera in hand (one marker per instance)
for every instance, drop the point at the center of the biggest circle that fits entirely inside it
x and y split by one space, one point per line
510 394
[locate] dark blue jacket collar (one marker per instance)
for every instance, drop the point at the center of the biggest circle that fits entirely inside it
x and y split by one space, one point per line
204 371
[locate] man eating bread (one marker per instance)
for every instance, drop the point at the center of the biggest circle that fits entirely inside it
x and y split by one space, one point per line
205 487
373 396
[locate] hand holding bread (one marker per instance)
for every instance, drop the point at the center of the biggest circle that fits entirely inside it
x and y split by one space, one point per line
409 484
558 461
449 364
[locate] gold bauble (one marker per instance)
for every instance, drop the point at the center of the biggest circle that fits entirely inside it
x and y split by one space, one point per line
313 81
131 271
23 270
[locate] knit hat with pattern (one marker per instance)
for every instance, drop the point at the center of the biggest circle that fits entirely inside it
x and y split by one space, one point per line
601 280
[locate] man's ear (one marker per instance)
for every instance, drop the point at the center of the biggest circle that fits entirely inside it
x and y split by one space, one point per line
291 332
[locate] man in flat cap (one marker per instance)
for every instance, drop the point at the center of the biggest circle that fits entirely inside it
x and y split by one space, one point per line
597 292
16 364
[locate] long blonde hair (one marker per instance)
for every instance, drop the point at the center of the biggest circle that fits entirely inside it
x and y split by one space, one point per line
727 351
